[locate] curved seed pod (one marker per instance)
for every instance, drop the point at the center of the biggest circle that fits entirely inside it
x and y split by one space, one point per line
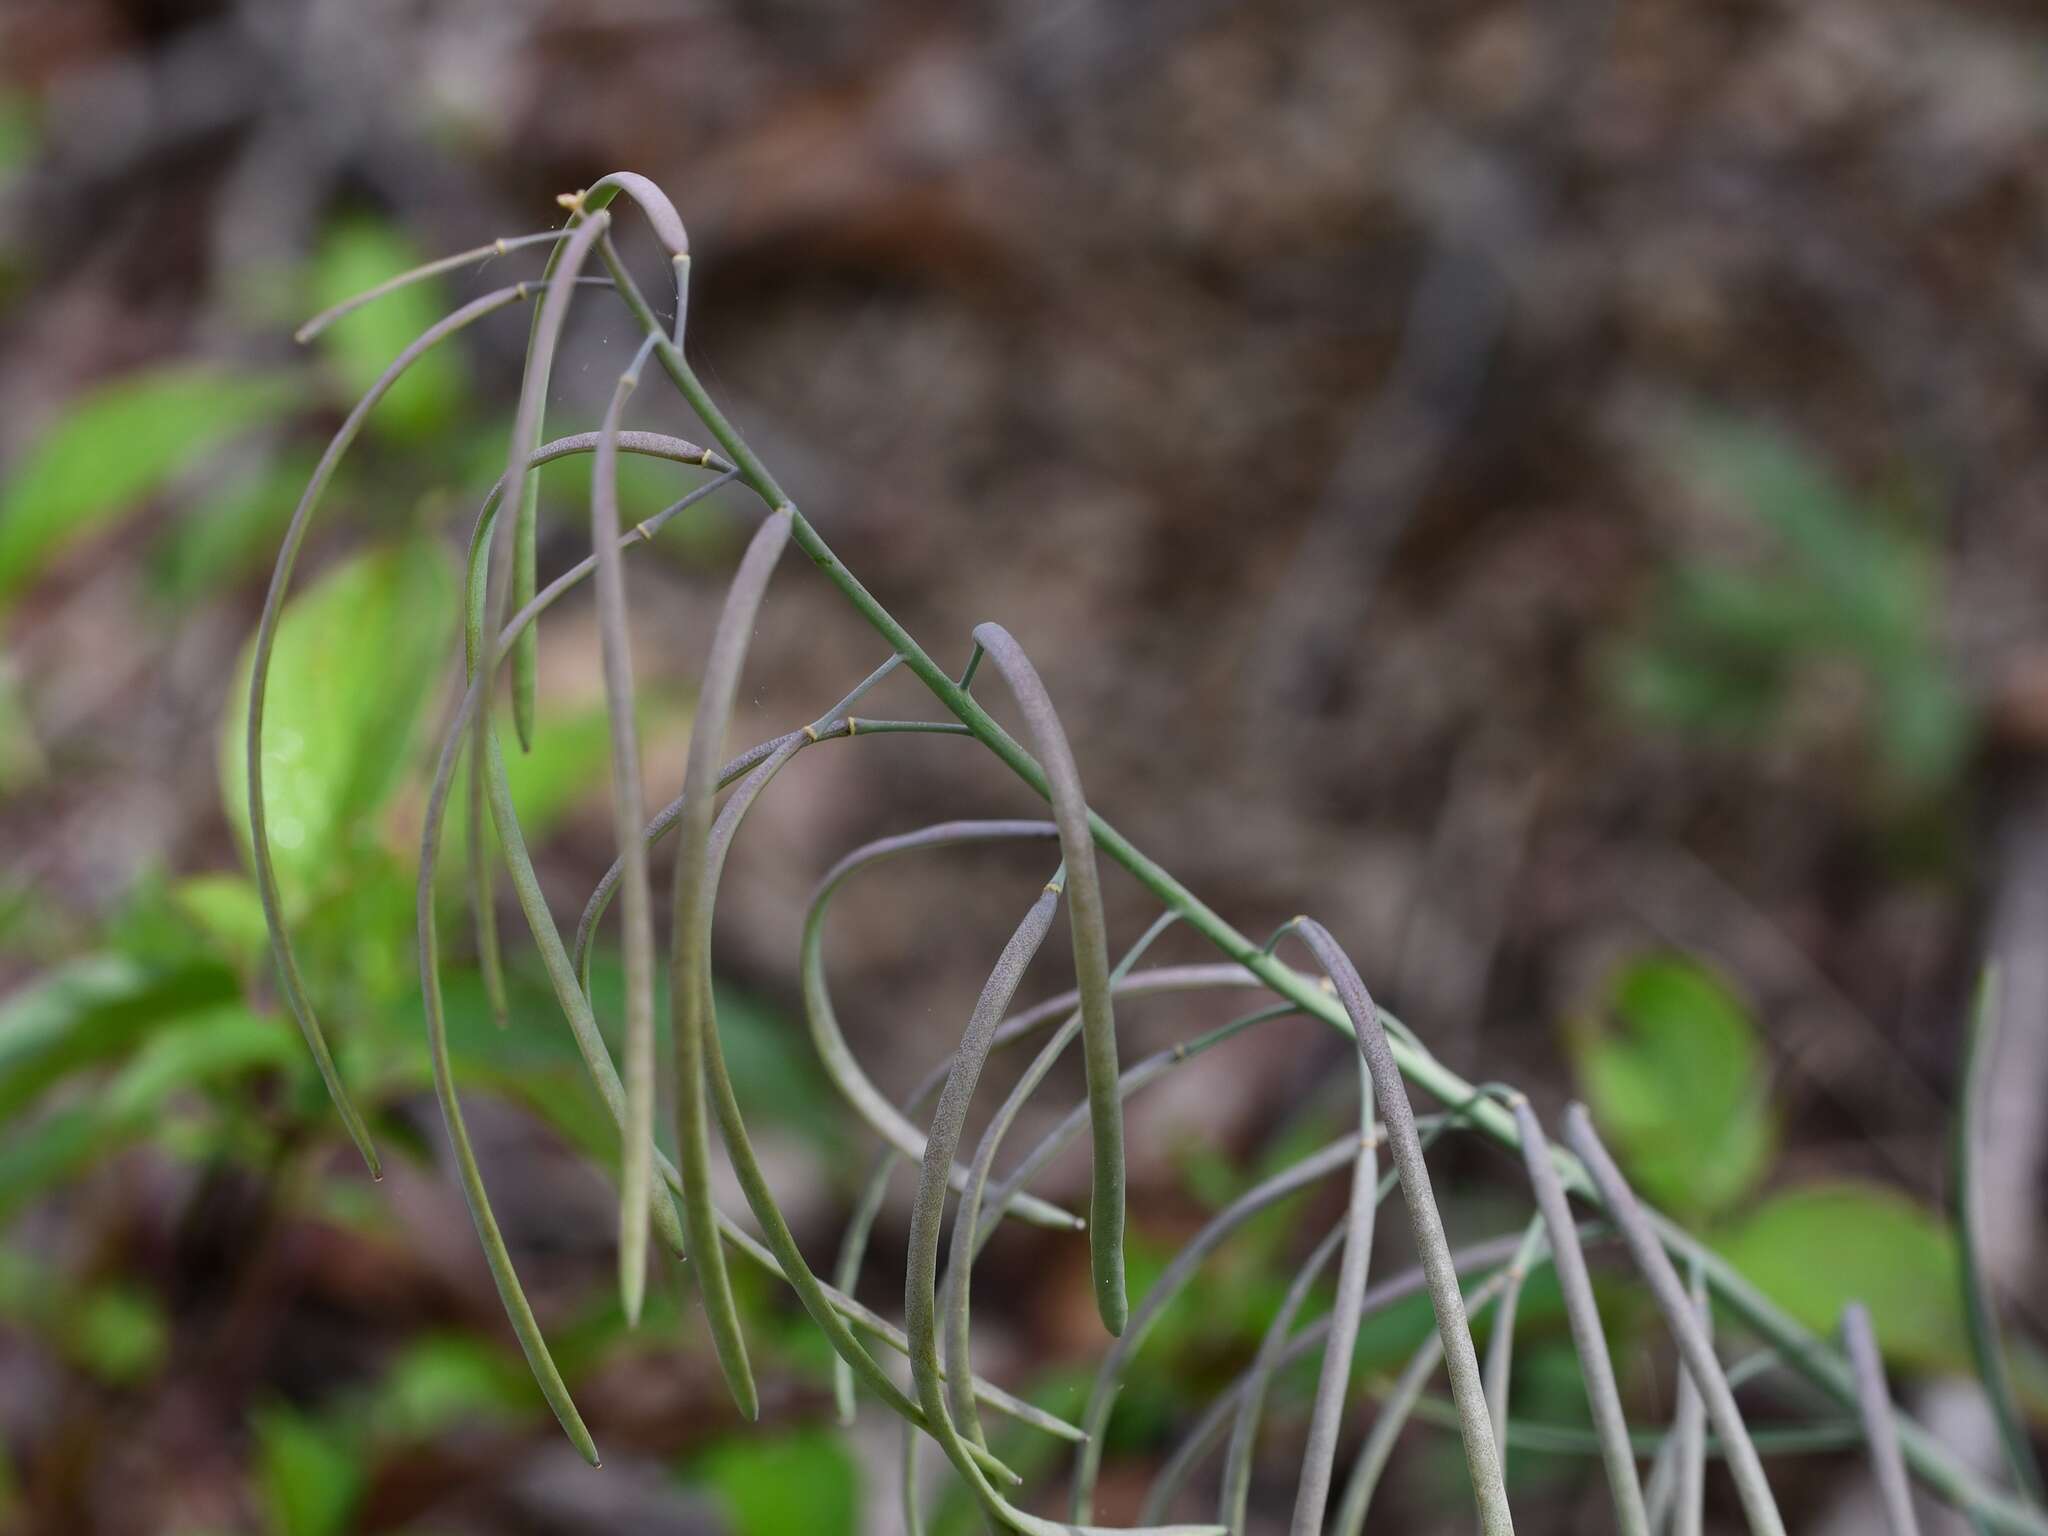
1815 1437
1395 1412
554 308
1582 1313
1244 1428
834 1053
1980 1312
509 576
519 863
1500 1347
499 1258
589 206
859 1227
1689 1429
1482 1458
555 960
1317 1460
1091 970
597 1059
921 1283
1172 1280
294 985
1693 1345
913 1514
1880 1427
853 1247
920 1303
663 823
831 726
1198 1441
490 955
585 209
690 947
746 1166
1148 1071
968 1229
628 811
420 274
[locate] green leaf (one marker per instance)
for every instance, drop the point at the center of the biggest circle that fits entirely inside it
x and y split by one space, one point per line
357 655
219 1043
311 1478
803 1484
118 1333
1816 1248
444 1379
90 1012
360 346
1678 1085
116 445
230 529
228 911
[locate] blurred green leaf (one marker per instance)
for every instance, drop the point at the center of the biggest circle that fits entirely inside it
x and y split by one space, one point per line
229 529
1814 1249
19 133
357 255
357 655
192 1052
21 755
116 445
118 1333
570 763
1847 581
1678 1084
309 1476
804 1484
91 1011
228 911
443 1379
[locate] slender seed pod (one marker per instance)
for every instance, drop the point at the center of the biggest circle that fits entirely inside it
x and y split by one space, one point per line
1091 970
753 1181
1395 1412
1880 1424
1694 1346
1326 1418
496 1255
420 274
1146 1072
834 1054
1500 1347
997 1204
628 811
1482 1458
509 571
1582 1315
1980 1312
1172 1280
586 208
296 996
1689 1428
1196 1444
605 1076
1244 1429
913 1511
968 1228
472 710
690 947
920 1293
920 1289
